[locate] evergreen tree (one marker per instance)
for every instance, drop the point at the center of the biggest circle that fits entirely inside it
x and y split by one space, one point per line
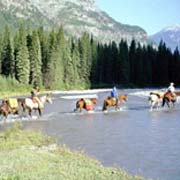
139 66
86 58
114 58
76 63
44 44
22 58
35 60
8 62
132 51
94 52
1 51
123 65
162 63
149 56
54 77
175 67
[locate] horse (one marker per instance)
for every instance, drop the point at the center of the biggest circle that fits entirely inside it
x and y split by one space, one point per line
170 97
155 99
111 101
29 104
9 106
87 104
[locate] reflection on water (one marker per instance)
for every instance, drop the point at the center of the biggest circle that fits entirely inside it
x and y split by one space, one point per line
135 139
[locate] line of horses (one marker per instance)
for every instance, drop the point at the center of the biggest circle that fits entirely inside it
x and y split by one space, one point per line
108 102
13 105
156 99
159 98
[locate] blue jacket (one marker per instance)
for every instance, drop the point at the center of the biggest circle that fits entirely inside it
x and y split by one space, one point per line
114 93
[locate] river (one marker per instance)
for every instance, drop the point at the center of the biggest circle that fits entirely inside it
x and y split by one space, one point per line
138 140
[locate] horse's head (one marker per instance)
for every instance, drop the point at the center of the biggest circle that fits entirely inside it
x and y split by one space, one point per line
123 97
94 100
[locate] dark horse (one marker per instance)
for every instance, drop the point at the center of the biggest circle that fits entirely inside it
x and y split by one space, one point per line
9 106
87 104
169 97
111 101
29 104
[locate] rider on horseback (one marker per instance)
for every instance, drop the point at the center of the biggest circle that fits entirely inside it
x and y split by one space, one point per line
34 95
171 89
114 94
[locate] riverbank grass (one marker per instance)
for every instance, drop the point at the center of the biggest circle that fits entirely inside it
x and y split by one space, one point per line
30 155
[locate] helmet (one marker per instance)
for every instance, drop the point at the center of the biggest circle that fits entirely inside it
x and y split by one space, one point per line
171 84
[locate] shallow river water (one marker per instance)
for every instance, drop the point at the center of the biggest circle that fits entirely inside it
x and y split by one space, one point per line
139 141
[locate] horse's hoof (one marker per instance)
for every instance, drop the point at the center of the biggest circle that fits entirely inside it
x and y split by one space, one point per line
105 111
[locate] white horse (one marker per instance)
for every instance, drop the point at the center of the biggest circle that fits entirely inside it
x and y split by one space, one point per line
29 104
155 99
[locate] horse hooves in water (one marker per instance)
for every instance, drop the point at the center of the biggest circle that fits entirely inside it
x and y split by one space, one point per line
105 111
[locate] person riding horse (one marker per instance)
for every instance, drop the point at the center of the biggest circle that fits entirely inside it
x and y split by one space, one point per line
114 94
34 95
171 89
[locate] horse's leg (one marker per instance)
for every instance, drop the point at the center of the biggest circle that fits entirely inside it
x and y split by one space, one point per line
167 102
152 105
158 104
39 110
163 103
104 106
30 112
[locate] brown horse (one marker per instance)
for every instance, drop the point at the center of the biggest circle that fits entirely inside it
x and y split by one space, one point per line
9 106
87 104
170 97
111 101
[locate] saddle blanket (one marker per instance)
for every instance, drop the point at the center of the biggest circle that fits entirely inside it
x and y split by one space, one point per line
89 105
13 103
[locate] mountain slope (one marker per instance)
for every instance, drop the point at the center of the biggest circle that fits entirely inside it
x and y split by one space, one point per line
76 16
170 35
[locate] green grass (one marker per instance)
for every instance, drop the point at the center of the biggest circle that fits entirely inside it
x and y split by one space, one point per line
28 155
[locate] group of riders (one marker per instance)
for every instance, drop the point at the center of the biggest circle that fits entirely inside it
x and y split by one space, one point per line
89 104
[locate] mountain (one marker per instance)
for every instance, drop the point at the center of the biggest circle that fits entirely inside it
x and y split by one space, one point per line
170 35
77 16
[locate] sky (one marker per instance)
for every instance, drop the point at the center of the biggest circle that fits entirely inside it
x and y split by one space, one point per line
151 15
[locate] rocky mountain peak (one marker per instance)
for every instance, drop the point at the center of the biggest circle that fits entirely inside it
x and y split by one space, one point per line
77 16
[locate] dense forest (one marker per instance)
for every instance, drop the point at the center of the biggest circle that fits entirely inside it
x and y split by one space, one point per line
52 60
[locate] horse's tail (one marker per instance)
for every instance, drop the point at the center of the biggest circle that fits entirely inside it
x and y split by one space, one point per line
77 106
104 106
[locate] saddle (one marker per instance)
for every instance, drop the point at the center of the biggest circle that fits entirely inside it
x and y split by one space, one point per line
35 100
171 95
13 103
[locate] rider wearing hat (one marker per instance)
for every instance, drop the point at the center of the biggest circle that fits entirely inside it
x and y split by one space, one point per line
171 89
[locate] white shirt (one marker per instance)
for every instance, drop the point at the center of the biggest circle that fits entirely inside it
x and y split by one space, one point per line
171 88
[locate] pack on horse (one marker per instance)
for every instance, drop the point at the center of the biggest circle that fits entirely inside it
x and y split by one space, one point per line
9 106
87 104
155 99
170 97
30 104
111 101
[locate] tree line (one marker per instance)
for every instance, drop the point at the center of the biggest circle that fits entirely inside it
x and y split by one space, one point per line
52 60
